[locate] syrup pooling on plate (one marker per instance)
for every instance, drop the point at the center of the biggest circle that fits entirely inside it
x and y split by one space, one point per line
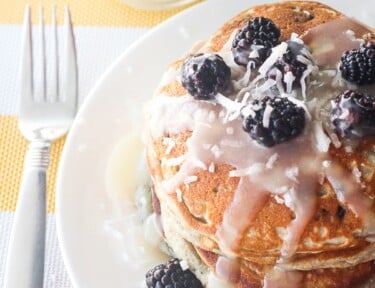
133 225
295 167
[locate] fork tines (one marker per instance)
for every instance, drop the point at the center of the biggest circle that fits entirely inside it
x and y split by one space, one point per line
40 72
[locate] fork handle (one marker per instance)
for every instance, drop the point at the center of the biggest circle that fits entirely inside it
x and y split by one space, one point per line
25 261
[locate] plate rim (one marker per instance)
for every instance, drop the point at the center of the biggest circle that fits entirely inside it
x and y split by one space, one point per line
70 135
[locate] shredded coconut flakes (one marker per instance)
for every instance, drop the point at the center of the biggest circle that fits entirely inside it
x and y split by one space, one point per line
279 81
266 86
267 116
277 53
357 174
173 161
179 194
289 79
184 265
348 149
271 161
198 163
248 111
169 142
322 140
211 168
190 179
306 73
228 104
252 170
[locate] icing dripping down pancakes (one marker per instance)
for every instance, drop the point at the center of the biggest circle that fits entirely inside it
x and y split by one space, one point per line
301 211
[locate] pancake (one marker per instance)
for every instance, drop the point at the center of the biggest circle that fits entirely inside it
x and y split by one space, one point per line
299 212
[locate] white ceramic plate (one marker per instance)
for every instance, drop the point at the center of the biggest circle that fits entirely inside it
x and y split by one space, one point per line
113 109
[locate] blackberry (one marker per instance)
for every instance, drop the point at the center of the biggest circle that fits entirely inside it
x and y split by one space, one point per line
171 275
205 75
353 114
284 122
289 63
340 212
258 32
358 65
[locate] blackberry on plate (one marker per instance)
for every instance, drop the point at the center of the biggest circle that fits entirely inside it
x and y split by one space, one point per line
259 32
289 62
353 114
273 120
358 65
171 275
205 75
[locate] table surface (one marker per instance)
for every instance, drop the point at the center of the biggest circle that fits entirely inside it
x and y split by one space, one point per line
103 30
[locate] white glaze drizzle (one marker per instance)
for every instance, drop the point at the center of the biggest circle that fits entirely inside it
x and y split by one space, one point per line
279 278
228 269
329 40
210 132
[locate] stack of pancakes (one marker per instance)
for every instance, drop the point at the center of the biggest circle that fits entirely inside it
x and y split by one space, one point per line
245 241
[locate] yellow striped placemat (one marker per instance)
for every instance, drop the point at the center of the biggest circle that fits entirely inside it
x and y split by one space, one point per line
12 150
87 12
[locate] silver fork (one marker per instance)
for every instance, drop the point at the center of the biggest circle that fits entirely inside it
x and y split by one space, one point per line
41 121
